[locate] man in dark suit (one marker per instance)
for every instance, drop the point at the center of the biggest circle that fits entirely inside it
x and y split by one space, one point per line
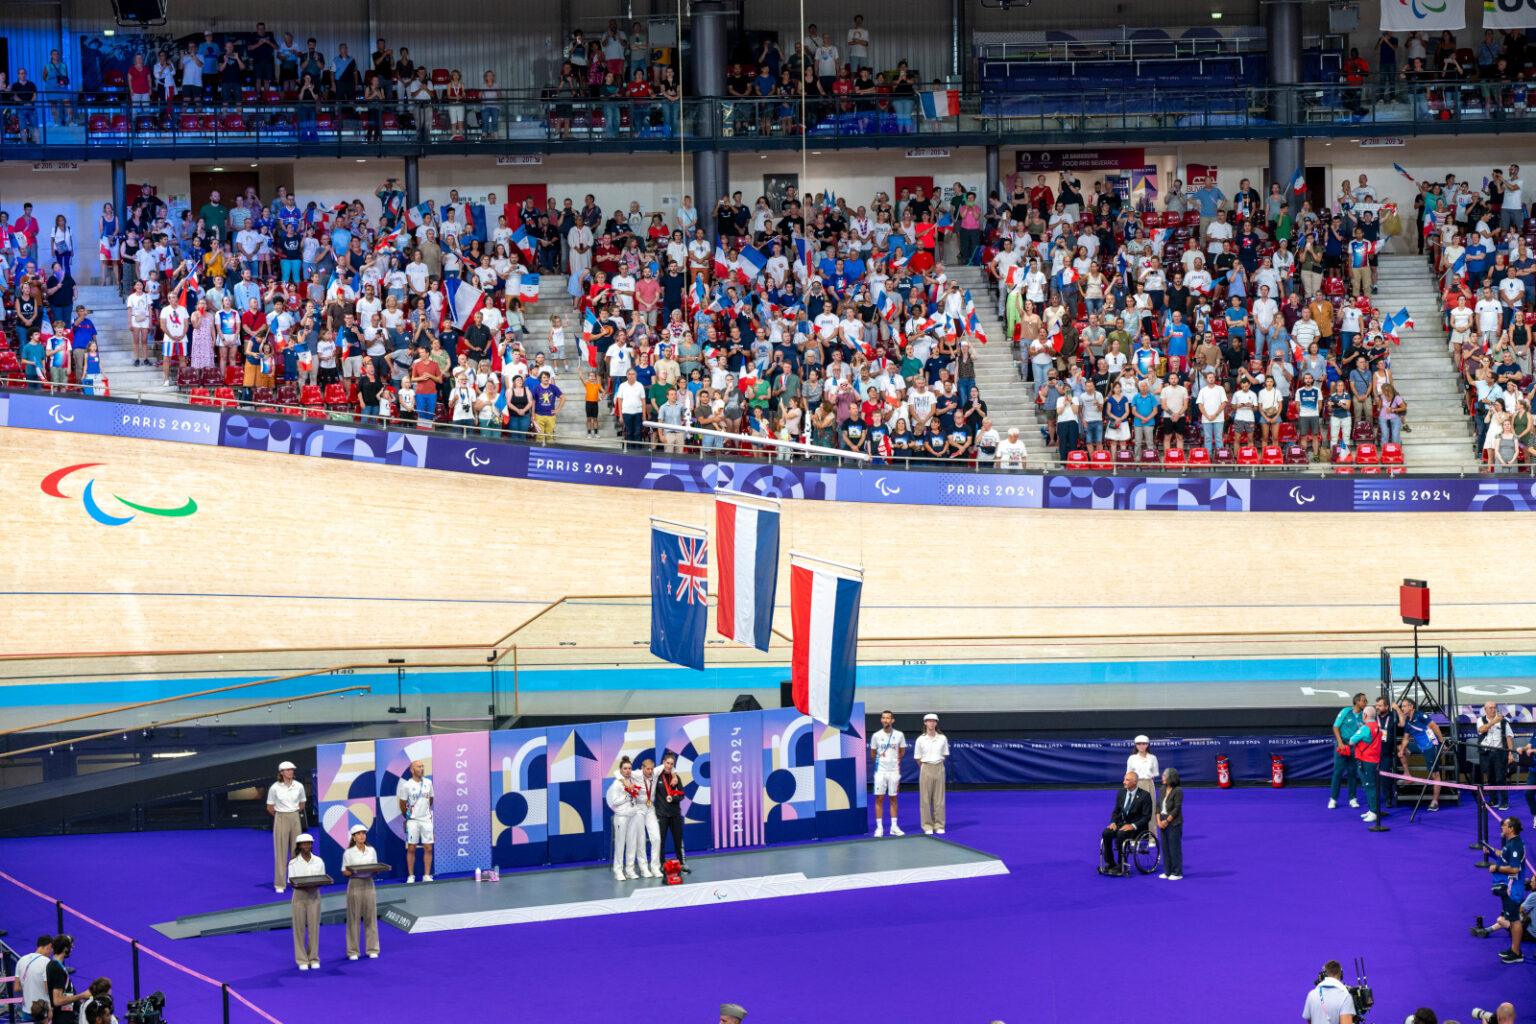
1133 813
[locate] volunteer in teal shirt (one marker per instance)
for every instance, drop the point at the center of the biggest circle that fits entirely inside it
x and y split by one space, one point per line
1345 725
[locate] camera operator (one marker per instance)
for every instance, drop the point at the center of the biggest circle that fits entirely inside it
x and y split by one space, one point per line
100 994
1496 752
1329 1002
1505 1014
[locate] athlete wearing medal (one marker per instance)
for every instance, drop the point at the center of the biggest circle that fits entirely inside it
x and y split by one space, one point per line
650 867
668 807
887 747
626 798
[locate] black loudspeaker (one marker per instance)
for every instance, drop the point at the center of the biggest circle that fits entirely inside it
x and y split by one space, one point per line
786 694
746 702
139 12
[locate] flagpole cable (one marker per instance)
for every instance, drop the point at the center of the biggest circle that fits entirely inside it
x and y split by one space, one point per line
805 58
701 531
793 555
813 449
728 494
682 128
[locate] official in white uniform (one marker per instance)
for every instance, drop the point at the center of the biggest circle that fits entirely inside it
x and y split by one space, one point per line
1144 763
306 903
626 798
887 746
416 796
285 803
931 750
362 906
650 856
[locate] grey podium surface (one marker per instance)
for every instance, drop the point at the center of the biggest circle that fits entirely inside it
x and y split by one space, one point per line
549 894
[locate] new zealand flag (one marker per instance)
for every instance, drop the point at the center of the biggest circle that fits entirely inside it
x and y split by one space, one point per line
679 597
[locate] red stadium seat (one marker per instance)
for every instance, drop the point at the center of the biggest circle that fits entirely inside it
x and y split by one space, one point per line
1223 456
1296 455
210 122
1366 453
325 122
1199 458
114 78
271 96
336 397
189 123
1100 458
1287 433
1172 220
264 399
391 121
96 124
441 78
199 396
1149 457
234 123
1272 455
316 413
1124 457
1391 454
210 377
234 375
1344 463
288 394
187 377
249 96
1174 457
225 398
1247 455
311 395
1150 219
1077 458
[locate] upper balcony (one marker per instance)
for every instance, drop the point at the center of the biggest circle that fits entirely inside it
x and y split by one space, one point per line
107 126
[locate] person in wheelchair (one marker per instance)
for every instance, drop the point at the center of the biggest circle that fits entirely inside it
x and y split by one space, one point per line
1131 822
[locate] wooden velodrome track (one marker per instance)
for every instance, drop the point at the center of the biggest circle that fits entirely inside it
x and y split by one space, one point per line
290 551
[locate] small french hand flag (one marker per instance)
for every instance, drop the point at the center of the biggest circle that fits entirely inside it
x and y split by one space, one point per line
1299 182
750 265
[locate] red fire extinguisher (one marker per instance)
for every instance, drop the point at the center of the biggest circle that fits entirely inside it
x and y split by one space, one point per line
1276 770
1223 771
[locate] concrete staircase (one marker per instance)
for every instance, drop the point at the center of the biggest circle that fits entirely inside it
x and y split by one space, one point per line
1439 438
1010 401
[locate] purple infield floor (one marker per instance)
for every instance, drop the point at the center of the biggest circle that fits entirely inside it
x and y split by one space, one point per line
1275 885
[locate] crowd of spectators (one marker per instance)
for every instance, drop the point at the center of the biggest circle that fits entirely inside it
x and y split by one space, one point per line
1219 328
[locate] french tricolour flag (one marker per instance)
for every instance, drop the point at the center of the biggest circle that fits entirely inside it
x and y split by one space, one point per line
940 102
747 545
750 264
461 301
528 287
824 614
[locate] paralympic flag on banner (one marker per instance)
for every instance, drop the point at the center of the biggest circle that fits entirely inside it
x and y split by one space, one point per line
824 615
679 597
747 539
1508 14
1410 16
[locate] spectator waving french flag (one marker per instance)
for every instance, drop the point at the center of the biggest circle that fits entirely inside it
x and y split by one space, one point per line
747 542
824 614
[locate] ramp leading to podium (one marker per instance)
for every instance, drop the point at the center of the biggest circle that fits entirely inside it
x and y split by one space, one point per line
551 894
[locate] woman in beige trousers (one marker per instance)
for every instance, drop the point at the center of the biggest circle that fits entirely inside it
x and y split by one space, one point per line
306 903
931 749
362 907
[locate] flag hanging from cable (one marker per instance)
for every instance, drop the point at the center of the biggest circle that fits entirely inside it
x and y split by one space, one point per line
747 538
824 616
679 595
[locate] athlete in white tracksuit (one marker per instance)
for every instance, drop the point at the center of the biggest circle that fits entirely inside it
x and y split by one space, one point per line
626 798
650 862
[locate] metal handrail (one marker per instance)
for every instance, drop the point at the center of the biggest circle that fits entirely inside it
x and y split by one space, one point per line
185 718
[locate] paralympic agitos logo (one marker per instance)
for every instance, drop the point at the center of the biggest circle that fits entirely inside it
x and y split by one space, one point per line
50 486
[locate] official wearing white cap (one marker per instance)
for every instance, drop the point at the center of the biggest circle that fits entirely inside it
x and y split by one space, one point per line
285 803
1144 763
306 903
931 748
362 907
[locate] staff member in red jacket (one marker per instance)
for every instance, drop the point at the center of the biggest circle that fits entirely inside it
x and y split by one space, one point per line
1365 748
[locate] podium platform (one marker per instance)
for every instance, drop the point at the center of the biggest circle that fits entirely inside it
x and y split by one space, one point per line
550 894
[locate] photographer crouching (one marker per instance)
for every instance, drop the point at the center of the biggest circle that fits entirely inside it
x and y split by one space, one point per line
1331 1001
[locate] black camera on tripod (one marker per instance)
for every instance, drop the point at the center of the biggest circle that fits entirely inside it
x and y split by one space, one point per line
149 1010
1360 991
